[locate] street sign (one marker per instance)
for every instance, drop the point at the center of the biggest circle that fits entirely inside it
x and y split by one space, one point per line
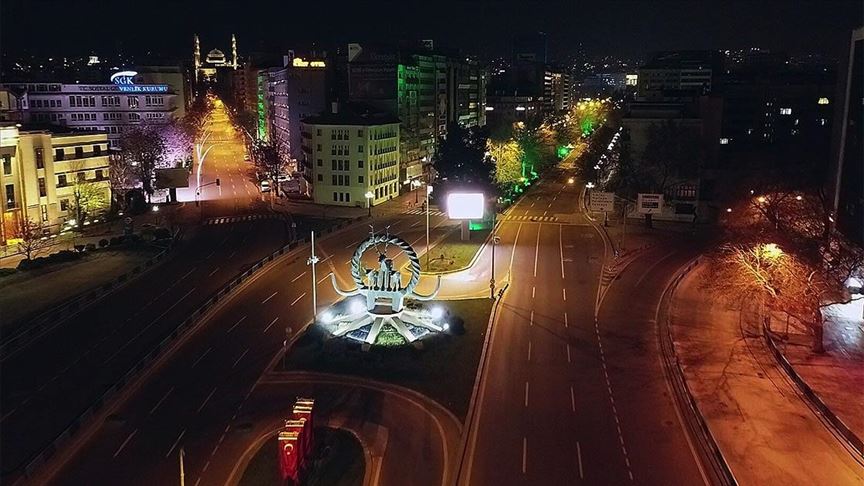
601 202
650 203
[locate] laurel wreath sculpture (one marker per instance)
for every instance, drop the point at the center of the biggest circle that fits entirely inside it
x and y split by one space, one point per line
374 240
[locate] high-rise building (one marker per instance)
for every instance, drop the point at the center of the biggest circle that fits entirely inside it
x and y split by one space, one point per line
848 183
130 99
41 170
352 151
670 75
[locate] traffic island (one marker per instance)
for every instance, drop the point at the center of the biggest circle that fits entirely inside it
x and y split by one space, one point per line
443 368
452 254
337 460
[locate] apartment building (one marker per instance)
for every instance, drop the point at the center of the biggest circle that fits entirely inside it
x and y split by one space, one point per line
352 151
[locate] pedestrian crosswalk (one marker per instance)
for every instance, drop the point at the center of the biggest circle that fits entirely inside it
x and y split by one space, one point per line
536 219
432 212
237 219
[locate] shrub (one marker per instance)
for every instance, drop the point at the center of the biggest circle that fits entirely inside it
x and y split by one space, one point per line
25 264
103 243
90 246
7 271
114 241
162 233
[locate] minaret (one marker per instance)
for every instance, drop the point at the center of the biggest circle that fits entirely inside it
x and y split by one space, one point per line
197 57
233 51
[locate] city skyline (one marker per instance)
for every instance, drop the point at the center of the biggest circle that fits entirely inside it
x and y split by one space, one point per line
618 28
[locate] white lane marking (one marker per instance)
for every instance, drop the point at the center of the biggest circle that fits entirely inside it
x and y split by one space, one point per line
323 278
515 240
213 272
298 298
232 254
268 298
566 324
579 454
561 249
271 324
568 354
238 323
572 399
206 400
155 407
175 443
120 449
564 293
533 289
537 252
524 454
298 277
532 204
210 255
238 359
526 394
202 356
529 351
531 323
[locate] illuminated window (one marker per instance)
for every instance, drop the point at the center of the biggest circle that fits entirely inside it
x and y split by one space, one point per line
823 101
785 111
724 141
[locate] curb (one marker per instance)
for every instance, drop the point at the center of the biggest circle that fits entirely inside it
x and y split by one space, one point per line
711 456
82 427
837 424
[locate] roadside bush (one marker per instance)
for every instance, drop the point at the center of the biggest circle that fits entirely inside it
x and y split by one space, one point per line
65 256
114 241
103 243
7 271
25 265
90 246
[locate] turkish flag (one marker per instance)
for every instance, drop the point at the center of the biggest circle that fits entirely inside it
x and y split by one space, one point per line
288 455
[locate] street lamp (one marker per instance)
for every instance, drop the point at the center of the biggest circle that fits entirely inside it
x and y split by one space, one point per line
495 240
571 180
369 195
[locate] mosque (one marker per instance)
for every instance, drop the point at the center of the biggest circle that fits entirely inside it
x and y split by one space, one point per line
208 70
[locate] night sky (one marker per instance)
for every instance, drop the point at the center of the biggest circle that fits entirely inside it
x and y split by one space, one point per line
628 28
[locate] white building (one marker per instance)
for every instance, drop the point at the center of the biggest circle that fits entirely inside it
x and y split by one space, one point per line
352 153
130 99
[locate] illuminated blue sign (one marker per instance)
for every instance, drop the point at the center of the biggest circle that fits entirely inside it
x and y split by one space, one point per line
125 81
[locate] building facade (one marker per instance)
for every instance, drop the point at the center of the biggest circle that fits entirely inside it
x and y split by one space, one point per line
352 152
848 180
41 172
671 74
128 101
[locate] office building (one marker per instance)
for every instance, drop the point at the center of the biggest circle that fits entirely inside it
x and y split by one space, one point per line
671 75
42 168
129 100
350 152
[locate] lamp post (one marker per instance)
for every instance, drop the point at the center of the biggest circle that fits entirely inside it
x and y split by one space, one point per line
428 192
369 195
182 470
495 240
312 261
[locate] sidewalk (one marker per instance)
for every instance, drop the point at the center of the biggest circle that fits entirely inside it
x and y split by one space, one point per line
764 428
837 376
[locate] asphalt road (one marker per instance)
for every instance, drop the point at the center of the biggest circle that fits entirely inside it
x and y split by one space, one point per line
566 399
198 396
48 383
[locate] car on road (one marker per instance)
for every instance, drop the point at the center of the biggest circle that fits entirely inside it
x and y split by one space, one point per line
264 185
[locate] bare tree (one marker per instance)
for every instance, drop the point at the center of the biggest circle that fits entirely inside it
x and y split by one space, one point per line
143 149
33 239
88 195
120 175
268 158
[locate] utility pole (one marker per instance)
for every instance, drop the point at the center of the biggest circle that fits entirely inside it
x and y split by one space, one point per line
428 191
182 472
312 261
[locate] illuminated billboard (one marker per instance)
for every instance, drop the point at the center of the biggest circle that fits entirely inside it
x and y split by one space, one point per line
465 205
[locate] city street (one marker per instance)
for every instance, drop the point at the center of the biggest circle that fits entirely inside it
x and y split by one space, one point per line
200 392
566 399
52 380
